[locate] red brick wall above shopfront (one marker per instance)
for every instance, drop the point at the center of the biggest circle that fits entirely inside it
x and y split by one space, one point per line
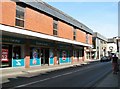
8 12
38 22
81 36
65 30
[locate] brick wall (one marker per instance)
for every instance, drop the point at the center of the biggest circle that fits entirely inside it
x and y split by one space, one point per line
81 36
38 22
8 12
65 30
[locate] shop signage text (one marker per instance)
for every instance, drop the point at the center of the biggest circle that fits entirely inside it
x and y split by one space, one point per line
5 55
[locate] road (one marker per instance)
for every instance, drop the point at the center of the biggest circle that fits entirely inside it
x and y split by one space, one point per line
80 76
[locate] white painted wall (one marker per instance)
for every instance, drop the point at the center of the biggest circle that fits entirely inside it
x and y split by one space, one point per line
114 47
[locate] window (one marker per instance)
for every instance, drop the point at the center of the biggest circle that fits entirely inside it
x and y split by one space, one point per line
74 53
87 38
19 16
80 53
94 42
16 52
74 34
55 27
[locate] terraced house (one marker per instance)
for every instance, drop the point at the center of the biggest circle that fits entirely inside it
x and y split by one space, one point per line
35 34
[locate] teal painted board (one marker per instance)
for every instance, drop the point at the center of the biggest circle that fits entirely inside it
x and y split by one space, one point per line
18 62
51 61
34 62
64 57
67 60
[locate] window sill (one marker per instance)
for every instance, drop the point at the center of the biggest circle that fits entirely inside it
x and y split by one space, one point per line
19 27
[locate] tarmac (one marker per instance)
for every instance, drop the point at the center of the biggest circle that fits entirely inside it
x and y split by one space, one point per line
110 81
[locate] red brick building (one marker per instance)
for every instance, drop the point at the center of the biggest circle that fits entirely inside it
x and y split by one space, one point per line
35 33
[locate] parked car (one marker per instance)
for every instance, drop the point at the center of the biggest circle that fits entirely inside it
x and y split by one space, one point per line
105 59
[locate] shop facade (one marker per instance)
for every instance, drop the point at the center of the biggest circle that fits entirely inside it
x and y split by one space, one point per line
78 54
41 52
14 52
37 36
99 47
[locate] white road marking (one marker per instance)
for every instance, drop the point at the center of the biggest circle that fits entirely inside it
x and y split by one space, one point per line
44 79
23 85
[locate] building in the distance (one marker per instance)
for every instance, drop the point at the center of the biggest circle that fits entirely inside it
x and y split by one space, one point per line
99 47
112 46
35 34
118 46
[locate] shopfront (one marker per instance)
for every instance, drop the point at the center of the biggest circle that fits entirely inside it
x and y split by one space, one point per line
18 55
64 57
12 51
35 56
64 54
44 52
78 54
41 52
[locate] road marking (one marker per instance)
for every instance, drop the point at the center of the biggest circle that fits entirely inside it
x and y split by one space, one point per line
44 79
23 85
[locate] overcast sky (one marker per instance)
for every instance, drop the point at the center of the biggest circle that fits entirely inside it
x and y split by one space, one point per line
101 17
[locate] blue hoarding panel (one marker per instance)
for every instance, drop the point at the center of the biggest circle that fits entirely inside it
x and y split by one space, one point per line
64 57
67 60
35 61
51 61
18 62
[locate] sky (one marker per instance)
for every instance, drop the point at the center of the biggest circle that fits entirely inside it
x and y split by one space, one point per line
101 17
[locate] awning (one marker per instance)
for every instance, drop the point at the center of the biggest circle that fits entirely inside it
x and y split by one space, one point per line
39 35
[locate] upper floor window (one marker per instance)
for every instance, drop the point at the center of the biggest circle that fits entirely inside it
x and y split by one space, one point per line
74 34
55 27
94 44
87 38
19 16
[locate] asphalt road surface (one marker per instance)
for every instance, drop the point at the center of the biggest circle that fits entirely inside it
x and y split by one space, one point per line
78 76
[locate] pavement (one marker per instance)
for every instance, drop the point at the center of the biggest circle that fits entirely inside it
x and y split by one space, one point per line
111 80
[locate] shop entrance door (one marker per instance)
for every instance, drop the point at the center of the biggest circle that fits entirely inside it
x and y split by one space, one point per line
44 56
